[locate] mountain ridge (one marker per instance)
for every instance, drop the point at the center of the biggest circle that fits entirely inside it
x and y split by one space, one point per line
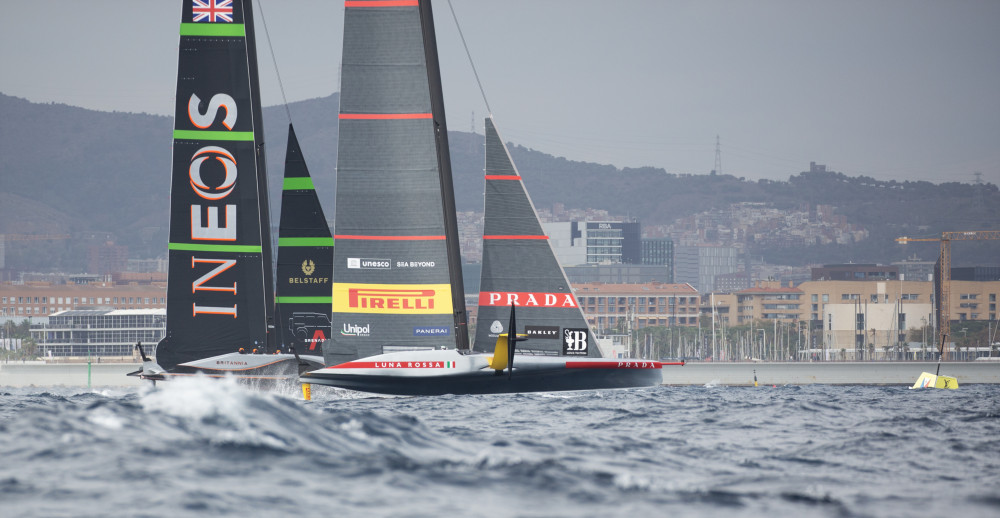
123 160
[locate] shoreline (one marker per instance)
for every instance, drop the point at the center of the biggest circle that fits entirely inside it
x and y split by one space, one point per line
826 373
41 374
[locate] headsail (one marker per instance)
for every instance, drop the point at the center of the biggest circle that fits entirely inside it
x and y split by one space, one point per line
397 271
219 295
520 269
305 259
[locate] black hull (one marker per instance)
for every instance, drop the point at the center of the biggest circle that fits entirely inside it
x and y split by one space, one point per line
485 382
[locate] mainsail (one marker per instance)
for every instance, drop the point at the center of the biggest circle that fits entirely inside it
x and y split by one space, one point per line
520 269
305 259
220 286
397 271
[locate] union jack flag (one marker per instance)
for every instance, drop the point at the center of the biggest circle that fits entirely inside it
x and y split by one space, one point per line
212 11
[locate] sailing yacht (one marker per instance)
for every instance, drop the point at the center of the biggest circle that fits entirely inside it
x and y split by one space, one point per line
399 319
305 261
220 285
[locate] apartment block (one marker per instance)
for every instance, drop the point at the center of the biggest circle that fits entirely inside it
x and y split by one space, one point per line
41 299
610 307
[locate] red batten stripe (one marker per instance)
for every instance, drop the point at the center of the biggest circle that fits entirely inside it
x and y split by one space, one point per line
353 365
381 3
390 238
631 364
502 177
384 116
515 237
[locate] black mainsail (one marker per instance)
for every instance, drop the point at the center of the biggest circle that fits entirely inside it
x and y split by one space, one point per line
220 284
305 259
520 269
397 272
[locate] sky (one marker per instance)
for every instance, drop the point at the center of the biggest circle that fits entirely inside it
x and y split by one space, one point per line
891 89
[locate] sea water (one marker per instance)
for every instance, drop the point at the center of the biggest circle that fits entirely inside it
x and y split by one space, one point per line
202 447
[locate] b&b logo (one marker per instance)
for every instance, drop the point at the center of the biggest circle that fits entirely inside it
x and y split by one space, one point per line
575 342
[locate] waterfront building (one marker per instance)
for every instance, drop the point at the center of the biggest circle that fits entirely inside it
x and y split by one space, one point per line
876 330
862 317
855 272
618 273
768 301
913 269
658 251
40 299
820 293
732 282
699 265
615 308
100 332
595 242
975 273
974 300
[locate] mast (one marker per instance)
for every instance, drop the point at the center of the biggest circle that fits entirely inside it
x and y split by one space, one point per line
447 187
267 266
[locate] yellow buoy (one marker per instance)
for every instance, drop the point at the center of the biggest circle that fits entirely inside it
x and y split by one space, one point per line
306 391
928 380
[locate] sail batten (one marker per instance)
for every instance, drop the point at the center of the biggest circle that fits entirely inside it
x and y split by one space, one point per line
384 116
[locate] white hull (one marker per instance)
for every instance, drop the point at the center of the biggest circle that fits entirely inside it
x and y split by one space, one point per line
251 368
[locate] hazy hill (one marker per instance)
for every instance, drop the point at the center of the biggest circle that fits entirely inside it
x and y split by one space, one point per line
82 172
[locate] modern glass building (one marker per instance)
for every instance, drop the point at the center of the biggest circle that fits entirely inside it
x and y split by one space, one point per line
100 332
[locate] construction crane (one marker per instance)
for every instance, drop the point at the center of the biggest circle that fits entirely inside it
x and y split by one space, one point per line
942 281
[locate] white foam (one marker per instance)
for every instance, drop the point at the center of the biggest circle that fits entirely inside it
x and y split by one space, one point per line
105 418
197 397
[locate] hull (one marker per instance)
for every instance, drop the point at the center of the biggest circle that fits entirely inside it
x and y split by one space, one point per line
439 372
255 369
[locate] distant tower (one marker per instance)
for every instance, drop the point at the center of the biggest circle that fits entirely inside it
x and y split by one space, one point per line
718 157
979 191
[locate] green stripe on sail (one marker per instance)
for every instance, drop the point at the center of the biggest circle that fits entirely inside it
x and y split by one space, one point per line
213 29
304 300
305 241
292 184
213 135
197 247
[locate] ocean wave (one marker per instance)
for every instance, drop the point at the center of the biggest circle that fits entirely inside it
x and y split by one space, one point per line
200 446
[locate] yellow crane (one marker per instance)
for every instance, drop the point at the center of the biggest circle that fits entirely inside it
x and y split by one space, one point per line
942 281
